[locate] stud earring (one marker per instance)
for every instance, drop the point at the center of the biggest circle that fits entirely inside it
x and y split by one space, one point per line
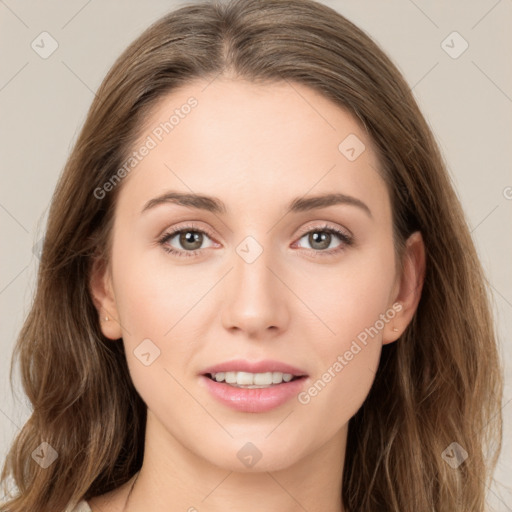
395 329
106 319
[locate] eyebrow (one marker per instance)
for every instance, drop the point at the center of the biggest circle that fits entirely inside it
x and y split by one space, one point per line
215 205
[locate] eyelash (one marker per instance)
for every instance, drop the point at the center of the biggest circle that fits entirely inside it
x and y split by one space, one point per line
346 239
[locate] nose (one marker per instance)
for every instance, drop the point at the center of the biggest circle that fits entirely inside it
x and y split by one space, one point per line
256 297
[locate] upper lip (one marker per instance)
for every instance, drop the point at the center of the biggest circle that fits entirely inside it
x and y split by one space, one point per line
242 365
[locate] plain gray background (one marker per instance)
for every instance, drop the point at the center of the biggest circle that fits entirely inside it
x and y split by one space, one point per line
466 98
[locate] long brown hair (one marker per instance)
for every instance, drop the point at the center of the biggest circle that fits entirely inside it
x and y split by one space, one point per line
440 383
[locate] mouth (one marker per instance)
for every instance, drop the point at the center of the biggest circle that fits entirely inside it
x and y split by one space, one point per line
243 373
253 391
248 380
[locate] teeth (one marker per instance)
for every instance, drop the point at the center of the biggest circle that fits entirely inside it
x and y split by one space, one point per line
252 380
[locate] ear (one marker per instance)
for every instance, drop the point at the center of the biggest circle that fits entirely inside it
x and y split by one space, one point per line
100 285
407 291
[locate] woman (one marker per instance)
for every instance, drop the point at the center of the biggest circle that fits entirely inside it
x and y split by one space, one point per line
257 289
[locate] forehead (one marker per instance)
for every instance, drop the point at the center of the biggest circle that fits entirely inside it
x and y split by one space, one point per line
250 144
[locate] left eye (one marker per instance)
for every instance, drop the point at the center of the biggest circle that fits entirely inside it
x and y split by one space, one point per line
320 239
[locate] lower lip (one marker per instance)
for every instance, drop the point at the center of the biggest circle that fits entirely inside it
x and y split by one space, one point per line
255 399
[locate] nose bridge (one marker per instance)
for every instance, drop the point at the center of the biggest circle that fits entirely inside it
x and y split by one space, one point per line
254 294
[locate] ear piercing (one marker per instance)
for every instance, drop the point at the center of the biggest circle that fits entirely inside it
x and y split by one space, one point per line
106 319
395 329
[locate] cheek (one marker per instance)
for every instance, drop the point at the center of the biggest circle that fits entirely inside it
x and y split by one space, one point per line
155 302
356 308
335 396
152 295
349 367
150 302
348 363
351 298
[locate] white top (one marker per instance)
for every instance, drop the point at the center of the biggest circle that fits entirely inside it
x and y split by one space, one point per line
83 506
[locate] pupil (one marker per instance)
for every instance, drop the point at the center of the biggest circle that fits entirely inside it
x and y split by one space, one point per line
323 236
192 237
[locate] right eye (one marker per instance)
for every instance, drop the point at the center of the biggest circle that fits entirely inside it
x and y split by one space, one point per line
189 237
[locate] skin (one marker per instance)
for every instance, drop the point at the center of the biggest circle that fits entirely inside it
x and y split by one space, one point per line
256 148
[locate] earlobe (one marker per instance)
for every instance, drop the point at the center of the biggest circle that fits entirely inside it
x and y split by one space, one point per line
101 289
410 287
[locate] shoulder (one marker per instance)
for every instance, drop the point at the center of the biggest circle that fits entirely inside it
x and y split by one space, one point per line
82 506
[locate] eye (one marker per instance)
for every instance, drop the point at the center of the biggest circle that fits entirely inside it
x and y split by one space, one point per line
321 238
190 238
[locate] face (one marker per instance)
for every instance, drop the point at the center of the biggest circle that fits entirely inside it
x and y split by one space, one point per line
268 275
